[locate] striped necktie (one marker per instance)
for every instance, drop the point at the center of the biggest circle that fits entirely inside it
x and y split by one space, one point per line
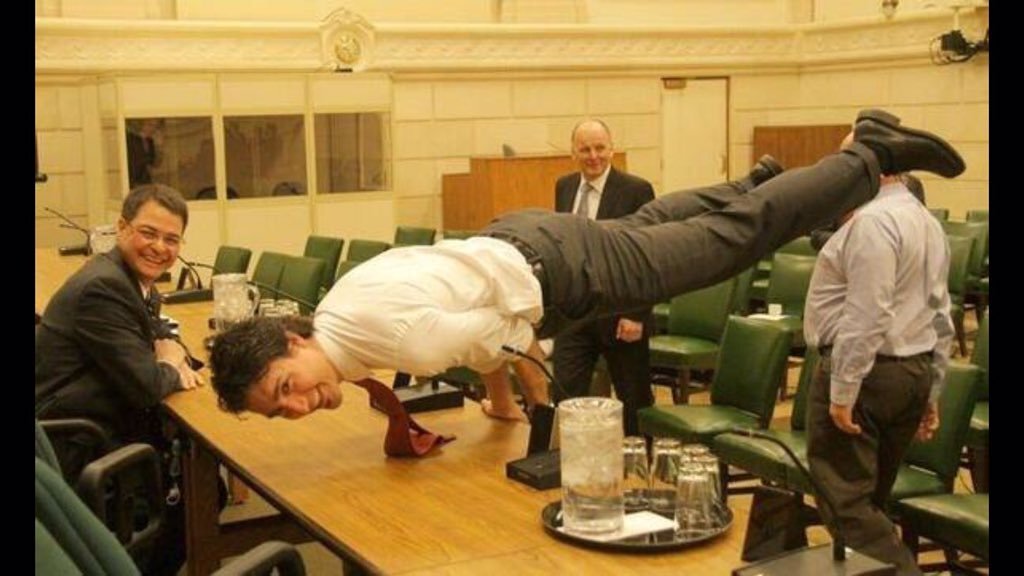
584 206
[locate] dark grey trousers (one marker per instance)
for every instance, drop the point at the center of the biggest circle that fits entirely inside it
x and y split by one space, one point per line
858 472
681 241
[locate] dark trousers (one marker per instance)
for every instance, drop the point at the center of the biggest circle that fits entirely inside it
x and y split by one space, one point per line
858 472
681 241
628 363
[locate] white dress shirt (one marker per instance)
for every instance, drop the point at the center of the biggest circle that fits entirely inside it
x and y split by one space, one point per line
424 309
880 287
594 202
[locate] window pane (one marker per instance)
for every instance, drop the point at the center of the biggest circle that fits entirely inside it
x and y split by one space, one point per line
352 152
265 156
177 152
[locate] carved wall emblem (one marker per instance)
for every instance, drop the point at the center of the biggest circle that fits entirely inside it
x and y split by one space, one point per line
347 49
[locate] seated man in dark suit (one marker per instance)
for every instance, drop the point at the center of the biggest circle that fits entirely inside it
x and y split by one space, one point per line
102 351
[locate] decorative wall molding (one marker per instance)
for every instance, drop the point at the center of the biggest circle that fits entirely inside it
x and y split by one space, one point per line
346 41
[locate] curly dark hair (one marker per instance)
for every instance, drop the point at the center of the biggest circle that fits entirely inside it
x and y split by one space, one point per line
241 355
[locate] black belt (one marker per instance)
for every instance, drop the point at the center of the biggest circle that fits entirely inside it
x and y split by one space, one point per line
882 358
532 258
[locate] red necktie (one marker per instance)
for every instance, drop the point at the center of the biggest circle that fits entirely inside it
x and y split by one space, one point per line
405 437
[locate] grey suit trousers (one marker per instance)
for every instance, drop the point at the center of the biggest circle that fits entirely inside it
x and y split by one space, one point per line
681 241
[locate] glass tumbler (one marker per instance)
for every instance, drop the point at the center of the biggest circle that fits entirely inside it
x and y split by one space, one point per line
666 456
635 472
591 457
694 502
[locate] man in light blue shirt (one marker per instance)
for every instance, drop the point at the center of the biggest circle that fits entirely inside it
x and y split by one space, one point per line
878 308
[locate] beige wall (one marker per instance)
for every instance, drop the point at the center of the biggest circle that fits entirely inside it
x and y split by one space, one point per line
441 117
439 124
949 100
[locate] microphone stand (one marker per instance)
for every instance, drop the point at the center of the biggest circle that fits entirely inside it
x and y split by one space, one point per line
197 293
82 249
542 466
786 563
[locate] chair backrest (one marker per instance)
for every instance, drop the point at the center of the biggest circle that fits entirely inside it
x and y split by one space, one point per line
459 234
941 454
941 214
702 313
83 538
800 246
979 356
750 365
268 270
301 279
741 292
960 248
328 249
414 236
50 557
360 251
977 215
232 259
976 230
789 281
44 450
798 420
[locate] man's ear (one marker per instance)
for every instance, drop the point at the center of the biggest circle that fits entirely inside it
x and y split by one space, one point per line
294 339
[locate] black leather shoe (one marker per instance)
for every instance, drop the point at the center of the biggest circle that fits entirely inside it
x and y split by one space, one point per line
764 170
901 149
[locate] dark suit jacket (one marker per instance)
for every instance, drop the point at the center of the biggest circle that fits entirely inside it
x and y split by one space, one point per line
94 351
141 155
623 194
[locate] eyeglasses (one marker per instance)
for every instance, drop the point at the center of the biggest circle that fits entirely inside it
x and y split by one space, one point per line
151 236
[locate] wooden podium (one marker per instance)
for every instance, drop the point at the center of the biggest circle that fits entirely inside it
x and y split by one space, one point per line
497 184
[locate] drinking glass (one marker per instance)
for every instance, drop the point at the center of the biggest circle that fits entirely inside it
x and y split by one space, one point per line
693 502
635 472
709 462
591 457
234 300
666 456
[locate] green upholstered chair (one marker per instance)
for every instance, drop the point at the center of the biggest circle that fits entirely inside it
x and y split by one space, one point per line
300 279
763 269
121 486
87 543
459 234
741 294
414 236
232 259
268 270
360 251
976 267
977 435
941 214
787 285
762 458
328 249
695 324
750 364
959 257
956 522
931 467
977 215
64 523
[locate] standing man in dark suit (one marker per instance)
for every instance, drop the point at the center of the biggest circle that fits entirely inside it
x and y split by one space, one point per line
599 191
103 353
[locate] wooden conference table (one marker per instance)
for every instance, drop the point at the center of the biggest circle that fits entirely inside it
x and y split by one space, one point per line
453 512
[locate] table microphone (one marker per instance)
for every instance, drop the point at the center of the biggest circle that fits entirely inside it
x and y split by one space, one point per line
810 560
191 272
278 293
74 250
